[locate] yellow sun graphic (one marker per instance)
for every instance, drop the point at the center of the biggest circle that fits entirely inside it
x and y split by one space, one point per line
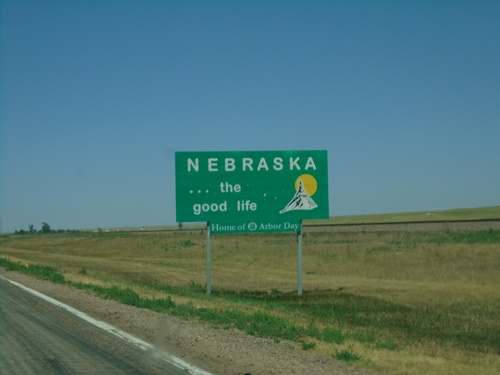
310 183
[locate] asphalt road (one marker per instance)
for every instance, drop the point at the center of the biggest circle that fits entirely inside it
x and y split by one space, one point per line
37 337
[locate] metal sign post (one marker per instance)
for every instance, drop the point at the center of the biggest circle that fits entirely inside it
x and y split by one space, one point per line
299 260
209 260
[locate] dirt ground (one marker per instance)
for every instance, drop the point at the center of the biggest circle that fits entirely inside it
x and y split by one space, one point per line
219 351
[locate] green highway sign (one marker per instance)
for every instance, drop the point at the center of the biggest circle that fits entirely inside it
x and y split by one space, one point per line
251 191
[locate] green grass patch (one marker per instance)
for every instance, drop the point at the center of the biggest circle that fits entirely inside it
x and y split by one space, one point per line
388 345
332 335
38 271
346 355
187 243
308 345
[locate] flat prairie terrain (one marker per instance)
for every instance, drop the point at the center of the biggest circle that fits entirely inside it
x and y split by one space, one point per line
397 303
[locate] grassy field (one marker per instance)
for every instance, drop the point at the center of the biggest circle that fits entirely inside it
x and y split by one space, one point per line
480 213
401 303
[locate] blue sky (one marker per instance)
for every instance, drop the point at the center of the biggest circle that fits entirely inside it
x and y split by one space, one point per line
96 97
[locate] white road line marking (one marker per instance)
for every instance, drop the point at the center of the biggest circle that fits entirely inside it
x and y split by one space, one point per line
173 360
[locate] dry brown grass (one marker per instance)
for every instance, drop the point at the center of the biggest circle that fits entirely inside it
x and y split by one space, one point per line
444 275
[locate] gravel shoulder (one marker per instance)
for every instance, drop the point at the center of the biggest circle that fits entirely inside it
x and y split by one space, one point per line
222 352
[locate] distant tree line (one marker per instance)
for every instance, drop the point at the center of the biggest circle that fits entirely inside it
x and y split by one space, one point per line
44 230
